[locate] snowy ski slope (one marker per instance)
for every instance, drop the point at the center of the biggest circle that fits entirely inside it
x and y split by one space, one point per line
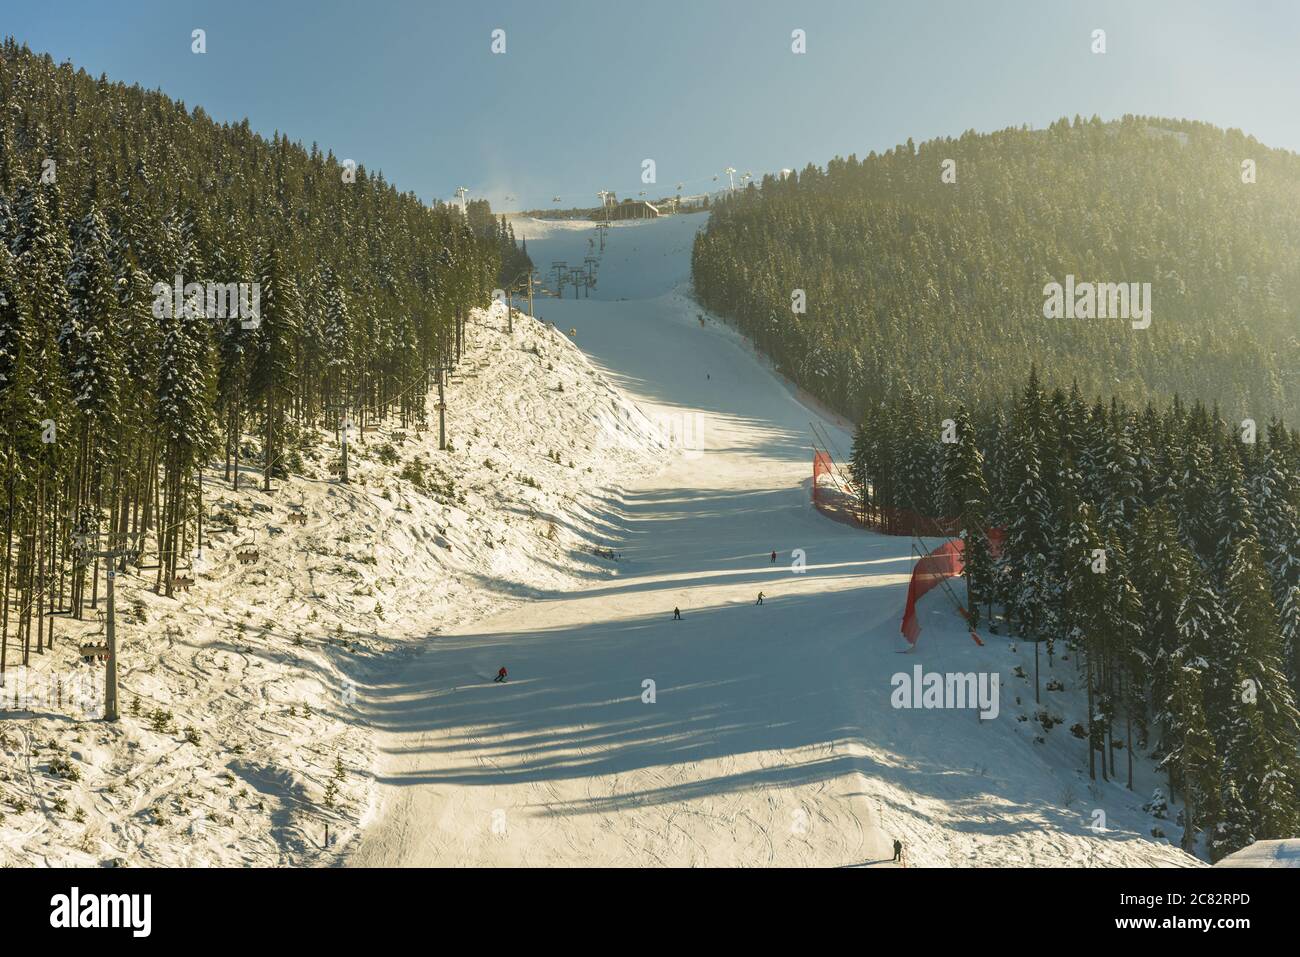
769 738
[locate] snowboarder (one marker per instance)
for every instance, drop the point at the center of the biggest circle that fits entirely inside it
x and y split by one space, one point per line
760 599
898 850
773 558
677 614
501 675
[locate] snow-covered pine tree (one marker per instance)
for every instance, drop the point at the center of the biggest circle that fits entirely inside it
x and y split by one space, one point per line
1197 505
1202 625
1085 610
1235 521
1124 668
862 458
1272 493
1121 491
337 342
1191 759
272 373
1263 729
42 254
1233 830
967 494
1028 550
90 338
1289 625
20 428
1161 571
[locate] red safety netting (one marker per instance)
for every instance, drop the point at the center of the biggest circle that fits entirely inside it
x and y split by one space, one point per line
946 561
839 504
821 466
943 563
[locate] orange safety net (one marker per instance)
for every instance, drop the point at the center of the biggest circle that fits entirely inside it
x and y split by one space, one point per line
946 561
821 465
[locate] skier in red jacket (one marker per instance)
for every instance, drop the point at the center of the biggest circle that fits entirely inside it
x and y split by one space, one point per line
501 675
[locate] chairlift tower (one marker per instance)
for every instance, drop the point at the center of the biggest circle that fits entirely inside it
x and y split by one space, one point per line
577 277
113 556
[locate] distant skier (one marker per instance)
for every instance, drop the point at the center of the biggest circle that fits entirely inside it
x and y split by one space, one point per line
677 614
501 675
760 599
773 558
898 850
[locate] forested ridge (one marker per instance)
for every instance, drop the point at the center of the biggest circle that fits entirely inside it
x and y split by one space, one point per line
112 400
1152 542
911 280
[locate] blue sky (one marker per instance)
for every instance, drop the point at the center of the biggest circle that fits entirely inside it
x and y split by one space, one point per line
587 90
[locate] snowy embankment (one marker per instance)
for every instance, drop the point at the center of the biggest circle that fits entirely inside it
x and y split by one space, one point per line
241 739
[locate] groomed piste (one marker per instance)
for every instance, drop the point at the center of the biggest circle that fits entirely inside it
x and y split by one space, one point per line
741 734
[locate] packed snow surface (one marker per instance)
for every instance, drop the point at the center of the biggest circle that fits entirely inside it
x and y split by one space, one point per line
742 734
1284 853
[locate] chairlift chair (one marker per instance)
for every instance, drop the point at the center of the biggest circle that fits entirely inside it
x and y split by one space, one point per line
246 551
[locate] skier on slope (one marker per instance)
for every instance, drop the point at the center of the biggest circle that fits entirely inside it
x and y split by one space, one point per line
760 599
677 614
898 850
501 675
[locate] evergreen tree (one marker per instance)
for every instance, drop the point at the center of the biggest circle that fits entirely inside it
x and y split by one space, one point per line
1264 727
1192 760
272 373
967 495
1162 574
